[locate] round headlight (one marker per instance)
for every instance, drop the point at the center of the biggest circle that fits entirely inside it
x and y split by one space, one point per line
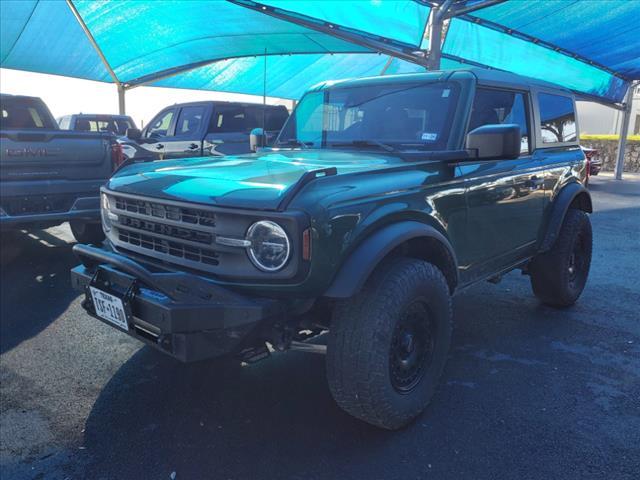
104 212
270 247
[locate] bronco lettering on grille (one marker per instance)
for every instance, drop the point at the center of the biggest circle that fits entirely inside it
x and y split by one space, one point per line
167 230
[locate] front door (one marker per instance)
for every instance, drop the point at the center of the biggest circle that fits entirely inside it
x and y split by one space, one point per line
504 197
156 135
188 133
229 131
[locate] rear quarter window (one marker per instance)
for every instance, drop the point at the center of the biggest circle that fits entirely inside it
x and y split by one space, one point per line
557 119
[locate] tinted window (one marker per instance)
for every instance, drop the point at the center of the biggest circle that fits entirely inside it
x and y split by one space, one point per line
117 126
190 120
558 119
64 122
274 117
403 115
159 126
492 107
122 124
227 119
25 114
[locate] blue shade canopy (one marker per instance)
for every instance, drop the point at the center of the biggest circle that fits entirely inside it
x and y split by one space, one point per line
605 32
45 37
287 76
589 46
486 46
401 20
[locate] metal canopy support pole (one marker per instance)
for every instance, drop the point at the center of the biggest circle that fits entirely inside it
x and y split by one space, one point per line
95 46
121 102
624 131
374 43
435 37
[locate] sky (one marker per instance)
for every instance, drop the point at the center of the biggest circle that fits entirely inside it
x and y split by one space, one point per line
65 95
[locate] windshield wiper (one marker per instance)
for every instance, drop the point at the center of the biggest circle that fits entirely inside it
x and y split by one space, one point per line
365 143
293 142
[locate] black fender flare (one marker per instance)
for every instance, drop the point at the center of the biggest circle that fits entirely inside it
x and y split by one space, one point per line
355 270
559 207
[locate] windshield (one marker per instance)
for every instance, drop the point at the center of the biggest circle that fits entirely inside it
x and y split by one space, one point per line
391 116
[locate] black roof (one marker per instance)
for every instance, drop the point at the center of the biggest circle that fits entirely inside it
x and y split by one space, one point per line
483 76
223 102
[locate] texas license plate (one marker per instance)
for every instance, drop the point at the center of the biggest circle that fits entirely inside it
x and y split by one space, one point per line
109 308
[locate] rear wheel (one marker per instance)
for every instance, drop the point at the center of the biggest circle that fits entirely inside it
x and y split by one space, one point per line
559 275
87 232
388 346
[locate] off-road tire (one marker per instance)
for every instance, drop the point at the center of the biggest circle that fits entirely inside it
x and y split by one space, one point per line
363 330
559 275
85 232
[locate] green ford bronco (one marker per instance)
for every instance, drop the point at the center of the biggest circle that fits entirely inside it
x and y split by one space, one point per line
381 198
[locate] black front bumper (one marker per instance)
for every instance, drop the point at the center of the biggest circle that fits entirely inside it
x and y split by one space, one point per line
183 315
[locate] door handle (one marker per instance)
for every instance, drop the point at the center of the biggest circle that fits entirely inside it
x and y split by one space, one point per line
159 146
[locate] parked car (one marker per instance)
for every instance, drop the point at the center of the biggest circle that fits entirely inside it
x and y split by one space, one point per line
202 129
380 199
89 122
594 163
50 176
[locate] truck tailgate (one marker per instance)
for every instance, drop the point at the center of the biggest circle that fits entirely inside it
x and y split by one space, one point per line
54 154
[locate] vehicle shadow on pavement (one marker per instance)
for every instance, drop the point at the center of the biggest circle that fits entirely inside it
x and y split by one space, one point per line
221 420
34 274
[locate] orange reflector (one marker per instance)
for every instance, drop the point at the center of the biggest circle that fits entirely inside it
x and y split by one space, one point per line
306 244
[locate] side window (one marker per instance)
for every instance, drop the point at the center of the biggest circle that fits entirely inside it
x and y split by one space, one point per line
275 118
492 107
63 123
228 119
253 118
190 120
159 126
557 119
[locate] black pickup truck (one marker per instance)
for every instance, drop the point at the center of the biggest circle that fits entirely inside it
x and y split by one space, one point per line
201 129
49 176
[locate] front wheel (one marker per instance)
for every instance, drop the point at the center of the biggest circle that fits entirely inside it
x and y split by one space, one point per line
387 347
87 232
559 275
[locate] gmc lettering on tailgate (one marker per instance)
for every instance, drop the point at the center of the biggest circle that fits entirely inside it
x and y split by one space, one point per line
32 152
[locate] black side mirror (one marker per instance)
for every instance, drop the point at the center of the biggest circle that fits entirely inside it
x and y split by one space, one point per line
134 134
495 141
257 139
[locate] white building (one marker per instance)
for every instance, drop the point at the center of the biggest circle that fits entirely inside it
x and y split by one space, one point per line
595 118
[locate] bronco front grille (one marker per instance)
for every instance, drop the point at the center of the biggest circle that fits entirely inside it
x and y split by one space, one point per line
172 233
166 247
166 230
154 209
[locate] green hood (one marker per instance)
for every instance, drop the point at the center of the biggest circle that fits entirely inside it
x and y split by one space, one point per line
256 181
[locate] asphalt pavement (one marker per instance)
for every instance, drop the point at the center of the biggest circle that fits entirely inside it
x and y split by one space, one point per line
529 392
